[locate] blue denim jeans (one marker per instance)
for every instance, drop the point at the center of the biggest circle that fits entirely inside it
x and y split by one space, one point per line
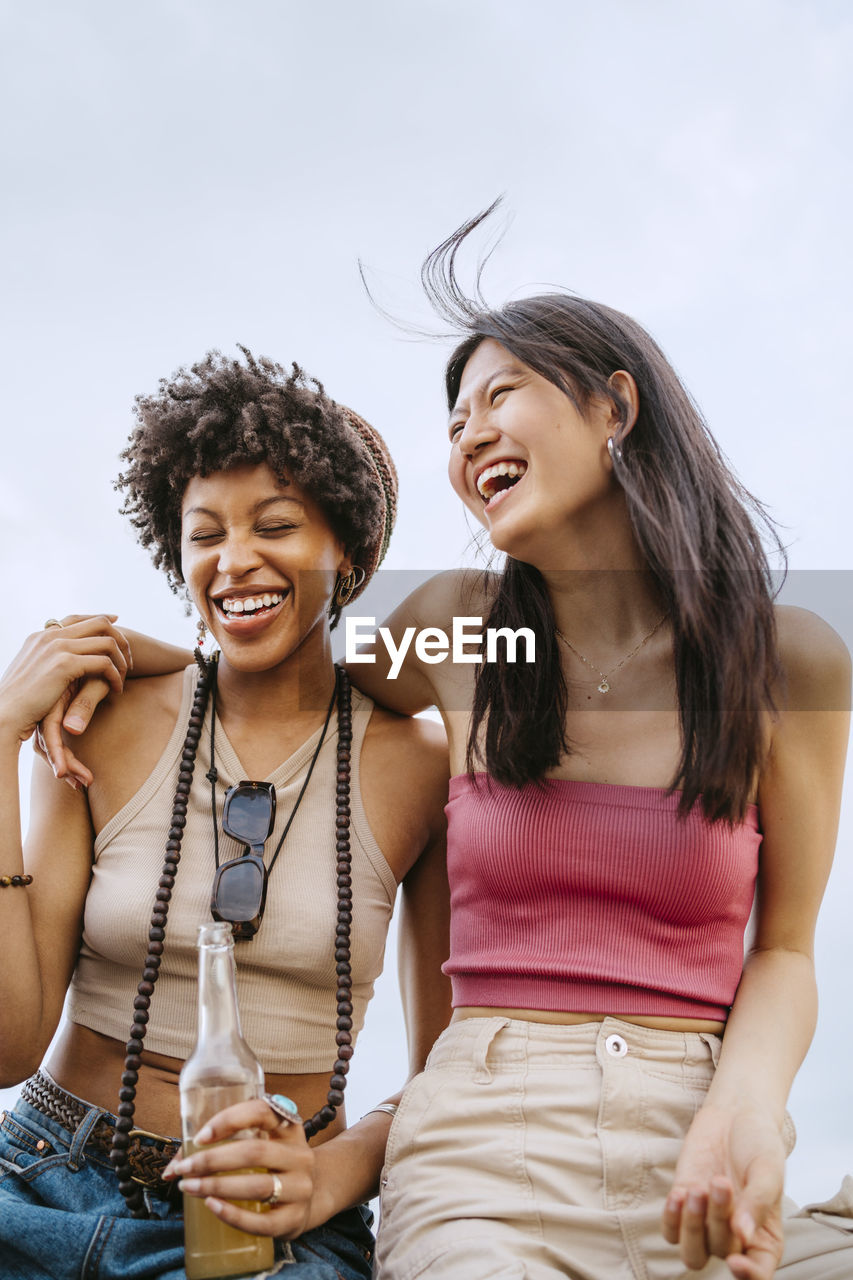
62 1217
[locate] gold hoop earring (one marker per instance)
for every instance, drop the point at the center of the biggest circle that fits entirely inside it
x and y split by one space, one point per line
346 586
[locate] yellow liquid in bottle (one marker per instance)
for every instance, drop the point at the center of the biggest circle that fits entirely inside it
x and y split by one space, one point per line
213 1248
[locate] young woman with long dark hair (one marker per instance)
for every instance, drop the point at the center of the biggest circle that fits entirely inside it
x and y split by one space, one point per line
675 750
269 506
609 1099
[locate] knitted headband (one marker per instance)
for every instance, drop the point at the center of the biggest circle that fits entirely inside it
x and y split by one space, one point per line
386 477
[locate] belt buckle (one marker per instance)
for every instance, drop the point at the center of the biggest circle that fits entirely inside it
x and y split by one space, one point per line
151 1178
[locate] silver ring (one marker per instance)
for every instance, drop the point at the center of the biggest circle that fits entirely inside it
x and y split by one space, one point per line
52 622
274 1196
285 1108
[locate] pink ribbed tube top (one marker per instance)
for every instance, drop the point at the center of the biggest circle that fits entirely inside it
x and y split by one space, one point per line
590 898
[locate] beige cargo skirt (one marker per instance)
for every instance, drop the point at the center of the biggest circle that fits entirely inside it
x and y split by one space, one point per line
528 1151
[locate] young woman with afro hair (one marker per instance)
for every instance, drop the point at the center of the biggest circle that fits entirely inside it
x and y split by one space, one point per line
269 506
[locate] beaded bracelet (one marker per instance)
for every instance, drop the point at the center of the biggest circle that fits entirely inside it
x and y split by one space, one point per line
14 882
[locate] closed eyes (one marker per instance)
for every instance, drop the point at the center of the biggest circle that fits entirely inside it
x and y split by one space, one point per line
455 427
272 530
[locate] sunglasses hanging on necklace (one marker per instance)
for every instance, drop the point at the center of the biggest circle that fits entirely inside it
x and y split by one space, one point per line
239 890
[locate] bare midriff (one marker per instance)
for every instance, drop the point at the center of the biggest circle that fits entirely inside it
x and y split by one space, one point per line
573 1019
89 1065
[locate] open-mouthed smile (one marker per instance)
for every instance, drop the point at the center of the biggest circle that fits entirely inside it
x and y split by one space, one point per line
234 606
248 613
496 480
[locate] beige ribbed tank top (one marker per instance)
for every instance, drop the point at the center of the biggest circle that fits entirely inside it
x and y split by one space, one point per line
286 980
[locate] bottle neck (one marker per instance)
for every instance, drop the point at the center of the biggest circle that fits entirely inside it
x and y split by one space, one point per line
218 1015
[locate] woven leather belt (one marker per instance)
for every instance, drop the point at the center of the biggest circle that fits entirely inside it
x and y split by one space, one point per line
147 1155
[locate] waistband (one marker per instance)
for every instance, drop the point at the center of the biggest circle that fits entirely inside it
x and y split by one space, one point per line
147 1154
507 1041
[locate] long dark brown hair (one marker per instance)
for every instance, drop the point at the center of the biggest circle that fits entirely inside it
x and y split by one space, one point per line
696 525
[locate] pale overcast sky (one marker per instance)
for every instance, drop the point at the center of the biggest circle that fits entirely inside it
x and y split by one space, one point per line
184 175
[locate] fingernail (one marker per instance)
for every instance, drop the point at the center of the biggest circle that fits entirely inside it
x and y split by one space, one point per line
177 1167
694 1203
204 1134
213 1203
719 1195
190 1184
747 1228
74 723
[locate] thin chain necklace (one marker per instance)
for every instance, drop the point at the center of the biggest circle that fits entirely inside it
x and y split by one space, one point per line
604 685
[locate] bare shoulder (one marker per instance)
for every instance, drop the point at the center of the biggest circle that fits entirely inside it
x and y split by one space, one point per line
815 661
144 704
407 748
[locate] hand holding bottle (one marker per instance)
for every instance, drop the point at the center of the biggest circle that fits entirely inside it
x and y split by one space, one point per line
277 1168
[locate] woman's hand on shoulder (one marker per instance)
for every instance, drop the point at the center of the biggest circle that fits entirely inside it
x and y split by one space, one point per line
72 713
50 668
277 1158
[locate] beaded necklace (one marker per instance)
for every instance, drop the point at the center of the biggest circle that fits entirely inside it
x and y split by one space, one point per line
132 1191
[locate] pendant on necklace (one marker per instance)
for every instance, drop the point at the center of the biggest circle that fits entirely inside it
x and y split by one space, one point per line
604 687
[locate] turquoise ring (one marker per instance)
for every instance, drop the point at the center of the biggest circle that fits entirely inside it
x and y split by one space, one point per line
285 1108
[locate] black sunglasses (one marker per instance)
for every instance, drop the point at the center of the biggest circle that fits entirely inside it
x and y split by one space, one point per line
239 891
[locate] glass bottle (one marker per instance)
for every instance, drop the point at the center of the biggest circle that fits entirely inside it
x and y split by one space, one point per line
220 1071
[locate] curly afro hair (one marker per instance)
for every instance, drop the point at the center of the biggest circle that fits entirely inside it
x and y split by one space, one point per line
222 413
